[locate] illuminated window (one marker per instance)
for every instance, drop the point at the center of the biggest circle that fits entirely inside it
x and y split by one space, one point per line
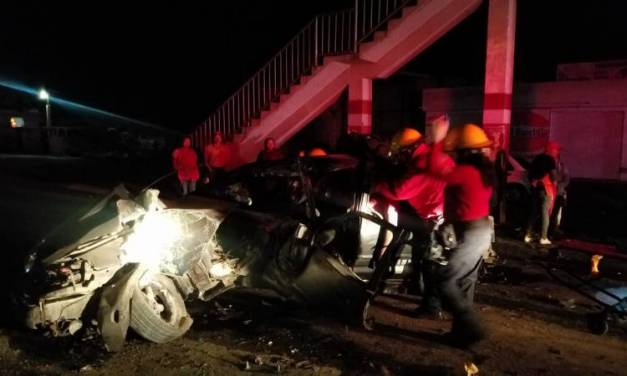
17 122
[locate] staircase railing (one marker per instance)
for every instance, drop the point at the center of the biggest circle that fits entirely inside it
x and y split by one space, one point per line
337 33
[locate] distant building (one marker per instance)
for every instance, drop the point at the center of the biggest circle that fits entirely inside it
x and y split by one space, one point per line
18 109
586 115
603 70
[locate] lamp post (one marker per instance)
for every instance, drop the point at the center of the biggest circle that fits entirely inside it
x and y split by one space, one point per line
44 96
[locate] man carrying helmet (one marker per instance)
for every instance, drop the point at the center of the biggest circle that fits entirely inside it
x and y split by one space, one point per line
543 179
469 185
425 195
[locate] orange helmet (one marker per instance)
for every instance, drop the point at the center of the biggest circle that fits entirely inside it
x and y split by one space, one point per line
404 138
317 152
468 136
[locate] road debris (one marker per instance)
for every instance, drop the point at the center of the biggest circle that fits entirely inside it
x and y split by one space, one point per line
471 369
568 304
304 364
86 368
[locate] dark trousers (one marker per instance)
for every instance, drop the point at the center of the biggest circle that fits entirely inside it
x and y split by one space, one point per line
424 270
431 299
456 281
540 209
422 276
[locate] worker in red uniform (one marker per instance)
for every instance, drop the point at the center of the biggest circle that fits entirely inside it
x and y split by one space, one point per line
217 157
469 185
270 151
543 179
185 162
421 190
425 194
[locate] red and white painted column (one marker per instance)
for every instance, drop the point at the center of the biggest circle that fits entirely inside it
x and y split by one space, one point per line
360 106
499 71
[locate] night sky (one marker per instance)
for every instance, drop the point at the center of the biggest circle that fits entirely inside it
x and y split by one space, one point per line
172 63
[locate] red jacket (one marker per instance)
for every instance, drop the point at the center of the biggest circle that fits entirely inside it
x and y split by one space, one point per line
423 191
466 196
185 162
217 156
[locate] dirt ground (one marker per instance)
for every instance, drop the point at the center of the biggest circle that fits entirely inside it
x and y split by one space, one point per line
536 328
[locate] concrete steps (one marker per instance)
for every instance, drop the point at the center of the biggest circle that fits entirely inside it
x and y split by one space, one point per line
403 38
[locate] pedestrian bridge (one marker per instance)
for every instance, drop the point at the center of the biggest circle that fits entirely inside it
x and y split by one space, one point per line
332 53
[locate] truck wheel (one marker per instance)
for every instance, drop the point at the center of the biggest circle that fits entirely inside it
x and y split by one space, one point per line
158 311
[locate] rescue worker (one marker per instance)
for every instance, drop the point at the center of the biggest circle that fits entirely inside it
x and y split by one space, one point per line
469 186
270 151
543 178
185 162
217 157
425 194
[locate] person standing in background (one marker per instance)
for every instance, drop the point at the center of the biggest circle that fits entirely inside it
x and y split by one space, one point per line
543 178
217 157
270 151
469 185
185 162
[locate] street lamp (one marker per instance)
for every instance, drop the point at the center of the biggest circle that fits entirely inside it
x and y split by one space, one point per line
44 96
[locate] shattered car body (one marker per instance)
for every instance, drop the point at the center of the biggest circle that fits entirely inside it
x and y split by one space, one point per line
333 186
133 262
126 249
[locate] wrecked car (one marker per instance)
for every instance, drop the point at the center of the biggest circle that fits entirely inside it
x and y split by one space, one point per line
325 190
131 261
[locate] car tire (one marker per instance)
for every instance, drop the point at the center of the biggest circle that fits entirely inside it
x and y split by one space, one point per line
158 311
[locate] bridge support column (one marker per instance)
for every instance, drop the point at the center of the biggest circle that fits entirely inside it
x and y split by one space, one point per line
360 106
499 71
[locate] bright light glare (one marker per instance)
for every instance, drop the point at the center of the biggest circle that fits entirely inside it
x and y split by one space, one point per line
152 241
79 107
220 269
369 229
43 95
392 215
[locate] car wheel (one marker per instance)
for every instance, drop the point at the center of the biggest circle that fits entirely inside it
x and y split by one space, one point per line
158 311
